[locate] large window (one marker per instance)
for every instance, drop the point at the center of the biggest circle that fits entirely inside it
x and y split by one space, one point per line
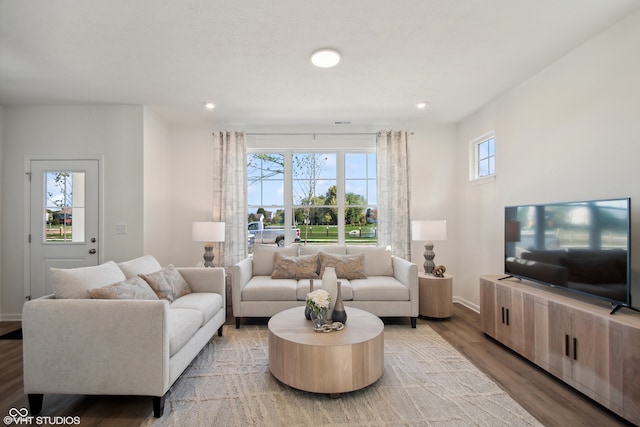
329 197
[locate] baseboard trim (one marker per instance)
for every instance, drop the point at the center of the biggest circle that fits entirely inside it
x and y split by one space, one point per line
468 304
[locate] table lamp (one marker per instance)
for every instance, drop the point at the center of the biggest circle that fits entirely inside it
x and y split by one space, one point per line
208 232
428 231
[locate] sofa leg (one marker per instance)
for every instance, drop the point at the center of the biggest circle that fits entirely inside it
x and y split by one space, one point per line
237 323
413 322
158 406
35 403
220 331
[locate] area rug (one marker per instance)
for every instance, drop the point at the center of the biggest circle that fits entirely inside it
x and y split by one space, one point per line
426 382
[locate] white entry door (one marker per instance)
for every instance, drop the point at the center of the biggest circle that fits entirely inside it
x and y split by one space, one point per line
64 220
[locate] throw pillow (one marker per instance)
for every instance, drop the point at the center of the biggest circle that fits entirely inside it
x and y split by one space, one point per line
133 288
377 260
167 283
295 267
263 256
347 266
142 265
76 282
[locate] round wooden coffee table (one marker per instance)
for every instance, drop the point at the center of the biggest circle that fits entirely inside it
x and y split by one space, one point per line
326 362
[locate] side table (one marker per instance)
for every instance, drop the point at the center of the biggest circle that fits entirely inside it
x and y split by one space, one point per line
436 295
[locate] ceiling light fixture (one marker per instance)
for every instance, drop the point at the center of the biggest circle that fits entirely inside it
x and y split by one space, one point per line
422 105
209 105
325 58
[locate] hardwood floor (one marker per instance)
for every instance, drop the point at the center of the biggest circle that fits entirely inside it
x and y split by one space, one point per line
552 402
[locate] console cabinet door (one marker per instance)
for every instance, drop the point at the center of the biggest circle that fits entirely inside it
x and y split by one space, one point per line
488 314
560 341
584 350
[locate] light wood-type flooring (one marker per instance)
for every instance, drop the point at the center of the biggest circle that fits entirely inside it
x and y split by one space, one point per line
552 402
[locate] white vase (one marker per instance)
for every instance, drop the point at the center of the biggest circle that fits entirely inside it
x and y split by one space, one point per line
330 284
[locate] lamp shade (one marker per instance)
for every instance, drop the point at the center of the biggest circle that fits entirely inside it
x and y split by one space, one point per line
207 231
429 230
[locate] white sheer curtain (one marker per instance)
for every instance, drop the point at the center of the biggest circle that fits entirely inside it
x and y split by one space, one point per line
230 194
394 228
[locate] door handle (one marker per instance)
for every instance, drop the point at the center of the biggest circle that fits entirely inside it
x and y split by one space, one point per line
92 251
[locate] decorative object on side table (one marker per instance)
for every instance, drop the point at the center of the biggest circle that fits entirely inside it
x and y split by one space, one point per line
429 231
330 284
307 310
339 313
208 232
318 301
439 271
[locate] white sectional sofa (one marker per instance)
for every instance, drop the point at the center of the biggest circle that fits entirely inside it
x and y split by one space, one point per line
108 331
275 279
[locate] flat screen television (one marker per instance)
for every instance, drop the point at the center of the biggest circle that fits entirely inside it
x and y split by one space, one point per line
582 247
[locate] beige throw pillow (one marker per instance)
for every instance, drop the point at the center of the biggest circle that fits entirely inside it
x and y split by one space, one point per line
167 283
347 266
133 288
76 282
295 267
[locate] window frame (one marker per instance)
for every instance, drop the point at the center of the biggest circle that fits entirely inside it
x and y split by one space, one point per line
474 159
340 183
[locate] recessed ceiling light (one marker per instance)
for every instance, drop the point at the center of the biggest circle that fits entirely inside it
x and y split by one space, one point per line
422 105
209 105
325 58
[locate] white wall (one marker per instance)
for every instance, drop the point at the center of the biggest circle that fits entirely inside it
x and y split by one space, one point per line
112 131
191 190
434 169
569 133
157 200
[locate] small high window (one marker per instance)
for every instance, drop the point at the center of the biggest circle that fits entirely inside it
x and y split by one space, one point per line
482 155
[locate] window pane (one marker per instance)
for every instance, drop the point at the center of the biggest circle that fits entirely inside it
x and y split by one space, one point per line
492 147
64 219
492 165
483 150
314 178
355 165
265 179
308 166
483 167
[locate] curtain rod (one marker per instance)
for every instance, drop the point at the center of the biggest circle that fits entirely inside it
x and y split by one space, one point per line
314 134
308 134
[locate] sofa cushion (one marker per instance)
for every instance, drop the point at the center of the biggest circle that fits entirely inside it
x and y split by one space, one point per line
379 288
133 288
377 260
206 303
167 283
264 288
295 267
183 323
263 257
302 289
76 282
145 264
347 266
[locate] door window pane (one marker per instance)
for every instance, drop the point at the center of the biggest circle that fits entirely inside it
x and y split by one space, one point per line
64 207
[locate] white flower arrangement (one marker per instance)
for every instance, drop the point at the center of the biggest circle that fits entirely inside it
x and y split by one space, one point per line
318 300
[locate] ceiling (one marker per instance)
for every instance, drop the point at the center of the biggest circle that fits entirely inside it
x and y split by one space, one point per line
251 57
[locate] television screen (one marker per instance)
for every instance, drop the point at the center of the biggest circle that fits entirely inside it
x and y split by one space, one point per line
583 247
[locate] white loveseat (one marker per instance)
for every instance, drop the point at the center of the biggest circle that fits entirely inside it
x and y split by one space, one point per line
119 344
275 279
